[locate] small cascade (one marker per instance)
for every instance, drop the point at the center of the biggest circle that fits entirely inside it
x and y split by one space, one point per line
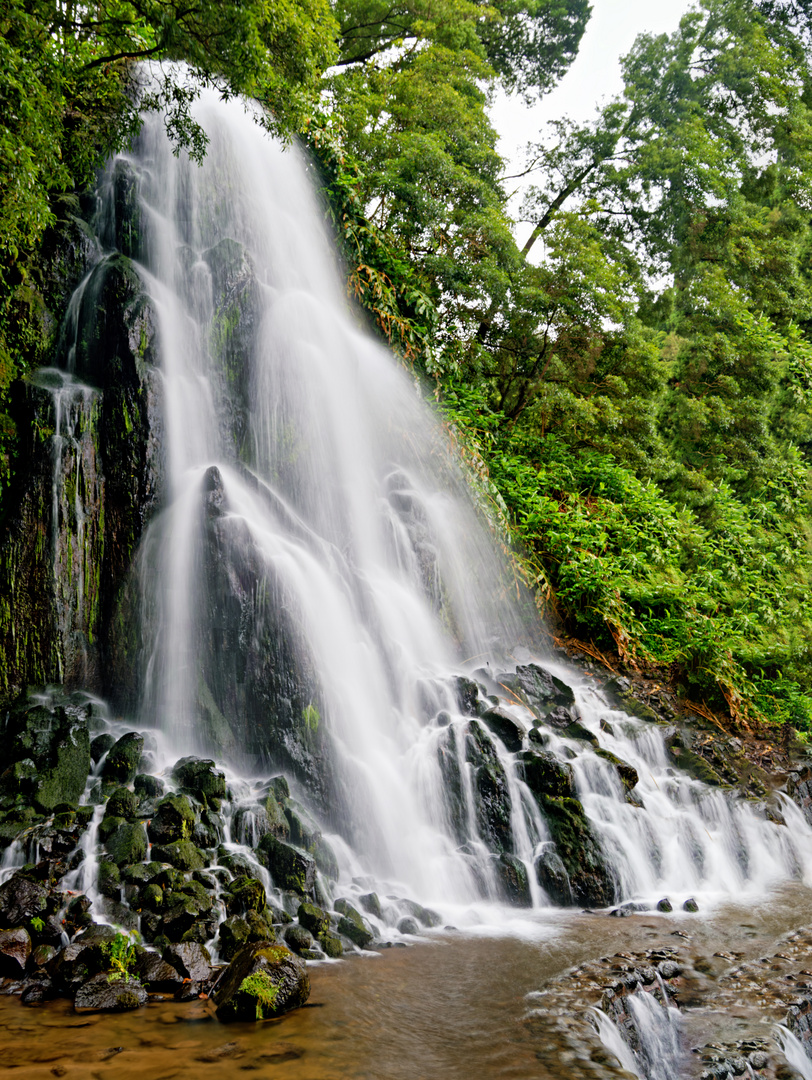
643 1032
793 1050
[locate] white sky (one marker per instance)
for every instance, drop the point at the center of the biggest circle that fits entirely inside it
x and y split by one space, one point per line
593 77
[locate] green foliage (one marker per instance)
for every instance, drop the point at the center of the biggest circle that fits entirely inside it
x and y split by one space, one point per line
121 954
260 985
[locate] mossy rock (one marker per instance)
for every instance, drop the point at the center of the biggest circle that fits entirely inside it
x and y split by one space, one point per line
545 774
108 825
109 883
262 981
513 880
313 918
151 897
182 854
100 746
352 925
298 939
148 787
331 944
124 758
128 844
289 868
245 894
233 933
200 777
306 834
123 803
591 878
174 819
538 689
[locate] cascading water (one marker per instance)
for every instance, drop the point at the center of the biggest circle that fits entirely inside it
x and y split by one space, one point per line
317 592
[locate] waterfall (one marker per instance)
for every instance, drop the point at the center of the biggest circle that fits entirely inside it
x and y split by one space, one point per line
315 593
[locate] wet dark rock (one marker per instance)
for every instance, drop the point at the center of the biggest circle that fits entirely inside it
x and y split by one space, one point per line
313 918
591 878
352 925
262 981
371 904
182 854
289 868
85 957
190 960
620 693
124 757
21 899
15 949
100 745
122 803
174 820
331 944
200 777
690 905
238 865
109 882
128 844
118 995
148 787
151 897
109 824
552 875
407 925
245 894
251 823
48 746
448 761
545 774
466 693
298 939
512 875
155 973
233 933
502 724
306 834
492 796
37 990
538 689
78 916
423 915
664 905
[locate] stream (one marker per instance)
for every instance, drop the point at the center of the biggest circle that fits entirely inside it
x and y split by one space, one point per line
456 1006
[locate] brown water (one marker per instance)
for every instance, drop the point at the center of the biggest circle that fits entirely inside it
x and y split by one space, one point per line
452 1009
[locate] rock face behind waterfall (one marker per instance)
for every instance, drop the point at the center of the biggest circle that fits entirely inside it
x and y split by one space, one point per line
91 453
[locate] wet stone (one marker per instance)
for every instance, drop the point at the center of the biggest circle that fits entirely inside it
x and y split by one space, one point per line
15 949
123 758
116 996
262 981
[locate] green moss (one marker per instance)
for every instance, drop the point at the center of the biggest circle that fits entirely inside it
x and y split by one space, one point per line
261 986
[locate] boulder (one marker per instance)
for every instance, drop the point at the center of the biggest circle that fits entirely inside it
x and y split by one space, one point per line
200 777
190 960
290 868
552 875
331 944
123 758
626 772
21 899
233 934
537 689
128 844
182 854
591 878
298 939
408 925
109 881
491 792
48 747
155 973
86 956
313 918
512 875
100 745
306 834
262 981
352 925
148 787
423 915
245 894
118 995
502 724
371 904
545 774
122 803
15 949
173 820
